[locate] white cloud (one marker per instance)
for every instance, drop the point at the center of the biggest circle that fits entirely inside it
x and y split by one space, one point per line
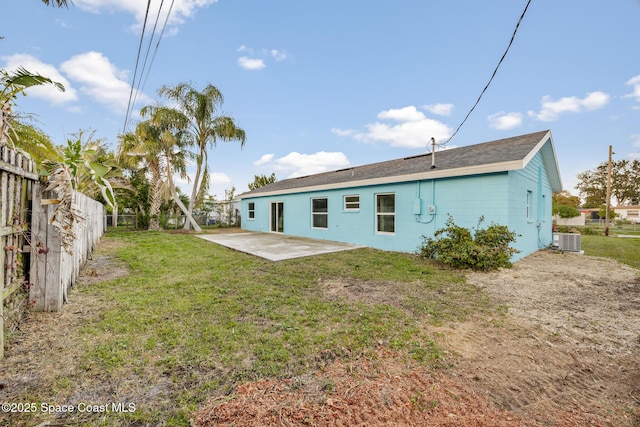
255 59
634 82
505 121
635 140
343 132
101 80
219 178
251 63
411 128
551 110
266 158
439 109
279 55
47 92
406 114
180 11
296 164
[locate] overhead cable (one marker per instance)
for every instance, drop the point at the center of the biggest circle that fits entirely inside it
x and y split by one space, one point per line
135 71
513 36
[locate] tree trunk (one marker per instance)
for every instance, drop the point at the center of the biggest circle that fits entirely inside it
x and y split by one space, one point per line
181 205
156 202
195 189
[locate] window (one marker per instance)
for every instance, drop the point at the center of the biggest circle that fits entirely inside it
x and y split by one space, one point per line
386 213
352 203
529 206
251 210
319 213
632 213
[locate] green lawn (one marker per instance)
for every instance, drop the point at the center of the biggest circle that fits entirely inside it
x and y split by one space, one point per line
625 250
192 320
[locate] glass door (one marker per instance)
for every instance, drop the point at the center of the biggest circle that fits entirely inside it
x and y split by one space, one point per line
277 217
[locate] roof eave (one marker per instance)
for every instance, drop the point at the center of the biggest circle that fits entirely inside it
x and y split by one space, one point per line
428 175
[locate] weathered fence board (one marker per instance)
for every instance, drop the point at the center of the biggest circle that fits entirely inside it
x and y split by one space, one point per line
18 183
31 253
54 269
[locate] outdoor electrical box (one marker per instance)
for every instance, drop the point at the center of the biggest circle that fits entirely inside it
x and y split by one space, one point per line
417 206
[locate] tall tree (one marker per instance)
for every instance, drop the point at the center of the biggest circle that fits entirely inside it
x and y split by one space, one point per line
261 181
625 183
174 138
206 126
142 148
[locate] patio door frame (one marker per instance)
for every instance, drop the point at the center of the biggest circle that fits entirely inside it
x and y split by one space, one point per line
276 217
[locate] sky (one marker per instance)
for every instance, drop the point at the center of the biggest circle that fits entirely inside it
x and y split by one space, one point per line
319 86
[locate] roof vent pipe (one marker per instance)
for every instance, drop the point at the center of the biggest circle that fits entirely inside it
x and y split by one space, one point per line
433 152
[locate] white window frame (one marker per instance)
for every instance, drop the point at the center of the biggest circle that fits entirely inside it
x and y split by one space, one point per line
325 213
529 205
379 214
348 206
251 211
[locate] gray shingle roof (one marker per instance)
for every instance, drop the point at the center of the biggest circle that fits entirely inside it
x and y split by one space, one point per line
494 152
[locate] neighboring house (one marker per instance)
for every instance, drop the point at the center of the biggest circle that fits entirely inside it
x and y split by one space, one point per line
391 205
226 212
629 213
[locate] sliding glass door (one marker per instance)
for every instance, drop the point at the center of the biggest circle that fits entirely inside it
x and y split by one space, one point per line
277 217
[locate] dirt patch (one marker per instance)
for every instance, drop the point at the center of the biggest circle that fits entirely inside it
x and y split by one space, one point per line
565 354
570 340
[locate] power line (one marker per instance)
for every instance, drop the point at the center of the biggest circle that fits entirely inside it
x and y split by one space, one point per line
158 44
146 56
142 82
135 71
513 36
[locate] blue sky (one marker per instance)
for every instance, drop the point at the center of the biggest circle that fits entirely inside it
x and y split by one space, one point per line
324 85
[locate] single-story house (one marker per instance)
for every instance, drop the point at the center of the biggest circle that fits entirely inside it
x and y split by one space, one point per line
630 213
390 205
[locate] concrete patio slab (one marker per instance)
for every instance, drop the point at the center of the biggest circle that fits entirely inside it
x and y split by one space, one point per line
276 247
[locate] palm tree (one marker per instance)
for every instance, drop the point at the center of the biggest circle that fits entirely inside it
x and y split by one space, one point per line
11 85
34 141
143 146
174 140
56 3
205 126
159 143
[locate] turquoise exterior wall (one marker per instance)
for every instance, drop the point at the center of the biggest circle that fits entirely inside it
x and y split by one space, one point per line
464 198
534 228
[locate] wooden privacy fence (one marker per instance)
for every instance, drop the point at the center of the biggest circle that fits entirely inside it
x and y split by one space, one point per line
18 183
31 254
53 268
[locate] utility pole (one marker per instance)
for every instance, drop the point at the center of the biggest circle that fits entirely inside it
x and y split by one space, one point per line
606 221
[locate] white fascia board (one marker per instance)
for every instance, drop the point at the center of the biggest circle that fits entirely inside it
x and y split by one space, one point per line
554 174
421 176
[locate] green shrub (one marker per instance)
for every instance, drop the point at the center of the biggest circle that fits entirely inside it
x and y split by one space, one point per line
480 249
591 231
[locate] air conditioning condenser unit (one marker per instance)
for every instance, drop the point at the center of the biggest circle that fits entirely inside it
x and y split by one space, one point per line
567 242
